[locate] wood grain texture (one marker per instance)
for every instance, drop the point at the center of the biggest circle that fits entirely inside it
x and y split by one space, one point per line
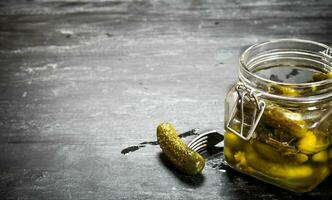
82 80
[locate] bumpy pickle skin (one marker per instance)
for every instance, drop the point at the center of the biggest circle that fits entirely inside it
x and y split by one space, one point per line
309 142
281 118
292 123
300 158
182 157
285 119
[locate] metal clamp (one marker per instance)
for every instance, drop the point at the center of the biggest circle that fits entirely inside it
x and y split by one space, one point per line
327 53
245 93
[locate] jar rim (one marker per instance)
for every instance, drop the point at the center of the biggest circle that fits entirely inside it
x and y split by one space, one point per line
244 67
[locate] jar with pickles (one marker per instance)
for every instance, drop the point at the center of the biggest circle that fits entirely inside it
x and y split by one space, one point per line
278 117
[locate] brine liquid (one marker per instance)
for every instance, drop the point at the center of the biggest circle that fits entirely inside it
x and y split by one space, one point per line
287 74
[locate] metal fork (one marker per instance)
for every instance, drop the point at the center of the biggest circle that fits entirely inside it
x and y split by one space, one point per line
206 140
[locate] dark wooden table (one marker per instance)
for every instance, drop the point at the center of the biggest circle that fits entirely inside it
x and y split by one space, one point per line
82 80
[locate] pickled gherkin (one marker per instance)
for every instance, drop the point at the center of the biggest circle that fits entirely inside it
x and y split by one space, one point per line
285 148
289 125
314 142
278 117
232 143
272 154
321 156
322 76
291 92
282 118
183 158
276 169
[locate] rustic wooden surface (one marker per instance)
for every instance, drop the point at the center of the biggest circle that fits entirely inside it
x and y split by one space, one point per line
82 80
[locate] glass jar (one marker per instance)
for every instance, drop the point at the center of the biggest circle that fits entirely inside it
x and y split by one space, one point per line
278 121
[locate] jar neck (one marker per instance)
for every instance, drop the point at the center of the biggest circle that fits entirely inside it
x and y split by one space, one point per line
300 55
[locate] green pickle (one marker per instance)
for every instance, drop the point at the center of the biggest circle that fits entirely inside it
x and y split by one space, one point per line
313 142
282 118
322 76
285 149
290 145
285 90
321 156
181 156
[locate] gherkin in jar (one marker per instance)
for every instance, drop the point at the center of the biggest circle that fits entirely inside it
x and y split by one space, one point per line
291 142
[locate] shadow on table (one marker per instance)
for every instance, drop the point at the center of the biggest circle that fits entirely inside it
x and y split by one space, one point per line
241 186
193 181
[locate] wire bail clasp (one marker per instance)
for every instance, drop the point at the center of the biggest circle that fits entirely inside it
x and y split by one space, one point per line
327 53
248 95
